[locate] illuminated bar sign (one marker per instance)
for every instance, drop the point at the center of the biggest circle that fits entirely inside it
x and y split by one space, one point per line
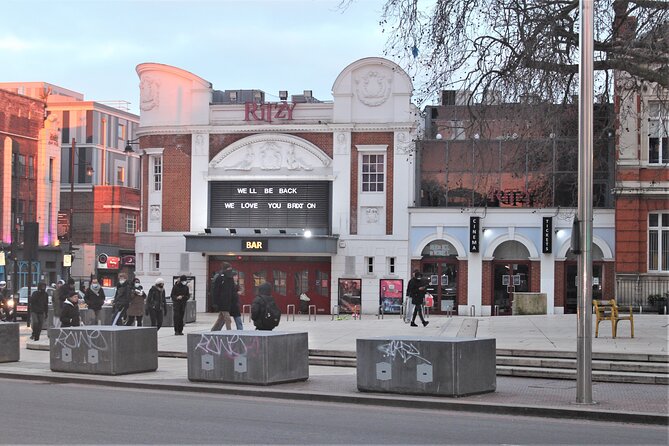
547 235
474 241
269 204
256 244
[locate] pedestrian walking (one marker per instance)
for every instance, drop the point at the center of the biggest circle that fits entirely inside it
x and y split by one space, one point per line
235 311
180 295
223 290
136 307
121 299
39 307
264 311
416 290
95 299
156 304
69 315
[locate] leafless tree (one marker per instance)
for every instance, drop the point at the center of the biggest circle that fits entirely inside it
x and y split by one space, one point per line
521 48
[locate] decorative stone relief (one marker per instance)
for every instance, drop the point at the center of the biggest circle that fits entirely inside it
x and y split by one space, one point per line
403 143
341 144
149 94
199 144
155 212
373 88
372 214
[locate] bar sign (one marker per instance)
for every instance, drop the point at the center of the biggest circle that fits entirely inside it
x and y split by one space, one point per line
474 225
547 235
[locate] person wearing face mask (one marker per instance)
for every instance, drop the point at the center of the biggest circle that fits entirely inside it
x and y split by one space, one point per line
122 299
156 306
136 307
95 298
180 294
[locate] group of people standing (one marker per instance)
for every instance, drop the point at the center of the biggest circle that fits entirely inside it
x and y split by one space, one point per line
129 306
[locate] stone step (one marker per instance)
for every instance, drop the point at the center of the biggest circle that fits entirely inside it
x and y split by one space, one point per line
597 375
617 366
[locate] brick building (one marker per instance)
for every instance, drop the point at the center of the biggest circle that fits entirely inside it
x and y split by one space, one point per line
89 138
308 195
29 154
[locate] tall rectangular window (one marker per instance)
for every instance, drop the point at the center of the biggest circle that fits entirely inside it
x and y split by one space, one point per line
121 132
157 173
120 175
50 170
658 131
31 167
391 265
130 223
658 242
373 173
369 265
155 261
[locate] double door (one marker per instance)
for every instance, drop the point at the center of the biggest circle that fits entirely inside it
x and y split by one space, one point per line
509 278
293 280
571 285
442 283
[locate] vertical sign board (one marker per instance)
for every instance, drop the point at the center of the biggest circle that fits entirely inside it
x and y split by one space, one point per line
474 241
547 235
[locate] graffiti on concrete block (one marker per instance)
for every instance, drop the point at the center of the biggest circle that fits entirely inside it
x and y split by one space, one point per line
401 349
75 339
232 346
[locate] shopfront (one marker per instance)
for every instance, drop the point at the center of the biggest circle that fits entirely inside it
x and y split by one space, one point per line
439 265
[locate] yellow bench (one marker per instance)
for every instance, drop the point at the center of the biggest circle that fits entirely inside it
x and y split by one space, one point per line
608 310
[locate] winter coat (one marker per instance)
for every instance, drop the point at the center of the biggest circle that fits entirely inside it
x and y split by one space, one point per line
136 307
234 305
156 300
416 290
259 305
94 300
59 297
180 290
224 290
39 302
123 294
69 315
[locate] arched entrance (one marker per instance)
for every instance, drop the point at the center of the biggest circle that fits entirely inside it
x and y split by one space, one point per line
571 278
439 265
511 274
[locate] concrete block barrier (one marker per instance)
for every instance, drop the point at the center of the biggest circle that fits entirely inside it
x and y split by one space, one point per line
9 342
257 357
168 319
426 365
103 350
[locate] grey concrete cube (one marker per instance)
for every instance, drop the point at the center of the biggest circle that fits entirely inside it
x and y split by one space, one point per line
9 342
103 349
254 357
189 314
426 365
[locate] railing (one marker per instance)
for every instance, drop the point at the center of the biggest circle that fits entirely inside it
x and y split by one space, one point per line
634 290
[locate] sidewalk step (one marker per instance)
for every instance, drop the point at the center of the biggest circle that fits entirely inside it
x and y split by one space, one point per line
616 366
597 375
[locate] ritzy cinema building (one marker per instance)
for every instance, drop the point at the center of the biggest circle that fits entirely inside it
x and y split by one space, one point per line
308 195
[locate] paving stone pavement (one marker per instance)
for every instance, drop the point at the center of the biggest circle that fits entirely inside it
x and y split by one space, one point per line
644 403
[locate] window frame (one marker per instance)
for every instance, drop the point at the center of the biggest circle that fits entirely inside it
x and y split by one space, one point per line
659 115
157 167
658 252
130 223
369 166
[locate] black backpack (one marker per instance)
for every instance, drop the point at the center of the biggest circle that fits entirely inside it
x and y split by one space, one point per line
271 314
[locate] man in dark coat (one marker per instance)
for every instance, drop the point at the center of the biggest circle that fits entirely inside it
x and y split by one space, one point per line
223 295
416 290
260 307
69 314
180 295
59 297
122 299
39 307
156 305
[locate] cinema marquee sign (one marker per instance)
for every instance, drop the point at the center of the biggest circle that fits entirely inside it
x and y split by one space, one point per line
270 204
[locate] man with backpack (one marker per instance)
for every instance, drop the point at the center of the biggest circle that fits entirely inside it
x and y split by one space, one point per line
264 311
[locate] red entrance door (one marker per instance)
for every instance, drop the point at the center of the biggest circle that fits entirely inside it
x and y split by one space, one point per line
290 278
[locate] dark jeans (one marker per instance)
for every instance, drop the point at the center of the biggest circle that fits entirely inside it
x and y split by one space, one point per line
120 314
156 317
37 322
179 308
418 310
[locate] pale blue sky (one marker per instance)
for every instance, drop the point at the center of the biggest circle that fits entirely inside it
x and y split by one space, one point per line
93 46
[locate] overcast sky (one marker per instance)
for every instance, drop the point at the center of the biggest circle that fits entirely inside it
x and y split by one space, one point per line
93 46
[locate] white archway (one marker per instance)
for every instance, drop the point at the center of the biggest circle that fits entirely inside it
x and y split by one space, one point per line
607 252
527 243
434 237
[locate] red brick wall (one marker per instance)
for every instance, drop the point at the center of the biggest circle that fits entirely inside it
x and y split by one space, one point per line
463 295
559 284
535 277
609 279
372 138
176 179
632 232
487 283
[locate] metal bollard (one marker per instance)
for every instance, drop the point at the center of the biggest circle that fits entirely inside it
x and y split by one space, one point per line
449 311
244 307
312 310
426 312
496 310
380 314
472 311
335 311
288 307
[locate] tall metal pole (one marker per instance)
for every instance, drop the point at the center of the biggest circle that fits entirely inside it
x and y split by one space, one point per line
585 151
72 151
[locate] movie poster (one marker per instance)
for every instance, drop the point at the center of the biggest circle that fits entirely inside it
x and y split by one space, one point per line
391 295
349 295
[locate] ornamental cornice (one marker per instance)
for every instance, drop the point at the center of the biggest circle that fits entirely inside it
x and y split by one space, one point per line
253 129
